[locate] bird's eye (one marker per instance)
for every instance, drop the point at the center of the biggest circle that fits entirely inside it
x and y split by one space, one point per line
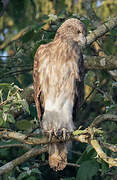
78 31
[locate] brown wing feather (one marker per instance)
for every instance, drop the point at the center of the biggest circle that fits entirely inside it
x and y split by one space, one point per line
37 90
79 95
40 77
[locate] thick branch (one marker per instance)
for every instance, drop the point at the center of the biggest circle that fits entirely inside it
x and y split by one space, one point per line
25 146
100 63
112 147
104 117
44 140
101 30
111 161
33 152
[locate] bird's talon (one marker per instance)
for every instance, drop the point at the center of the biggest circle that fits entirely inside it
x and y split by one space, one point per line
65 133
55 132
50 135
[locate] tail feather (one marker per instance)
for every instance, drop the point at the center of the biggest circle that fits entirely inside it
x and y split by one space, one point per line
57 156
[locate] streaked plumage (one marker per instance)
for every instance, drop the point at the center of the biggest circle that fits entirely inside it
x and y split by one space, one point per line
59 84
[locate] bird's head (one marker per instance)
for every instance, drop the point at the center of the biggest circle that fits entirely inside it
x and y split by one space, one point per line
73 30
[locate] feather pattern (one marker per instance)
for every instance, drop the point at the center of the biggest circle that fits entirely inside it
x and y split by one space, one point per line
59 84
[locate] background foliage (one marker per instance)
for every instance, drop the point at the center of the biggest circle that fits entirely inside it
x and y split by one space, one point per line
36 22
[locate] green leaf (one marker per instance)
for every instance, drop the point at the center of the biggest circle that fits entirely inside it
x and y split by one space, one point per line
4 116
22 176
25 105
10 118
7 117
36 171
88 154
43 157
18 96
6 107
5 85
24 125
98 98
89 148
87 170
1 119
28 173
104 167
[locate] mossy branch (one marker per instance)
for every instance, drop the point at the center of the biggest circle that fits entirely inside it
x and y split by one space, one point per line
85 136
101 30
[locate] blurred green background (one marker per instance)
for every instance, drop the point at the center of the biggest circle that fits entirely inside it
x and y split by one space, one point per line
24 25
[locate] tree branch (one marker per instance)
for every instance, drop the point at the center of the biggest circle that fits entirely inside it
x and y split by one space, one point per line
16 72
20 34
25 146
86 136
78 135
100 63
91 63
33 152
111 161
16 37
111 147
104 117
95 21
101 30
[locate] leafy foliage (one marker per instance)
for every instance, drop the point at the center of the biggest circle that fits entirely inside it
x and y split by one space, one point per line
36 23
10 101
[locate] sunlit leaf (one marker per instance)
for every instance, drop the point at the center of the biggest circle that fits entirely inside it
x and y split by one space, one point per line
6 107
4 116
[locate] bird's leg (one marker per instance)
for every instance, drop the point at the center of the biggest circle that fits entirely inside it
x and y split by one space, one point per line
50 134
61 134
65 133
55 132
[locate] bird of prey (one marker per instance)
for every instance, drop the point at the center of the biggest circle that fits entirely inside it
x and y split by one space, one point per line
59 85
